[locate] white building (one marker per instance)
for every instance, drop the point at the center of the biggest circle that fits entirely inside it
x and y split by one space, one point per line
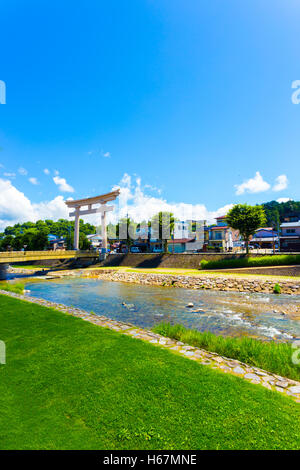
181 230
95 239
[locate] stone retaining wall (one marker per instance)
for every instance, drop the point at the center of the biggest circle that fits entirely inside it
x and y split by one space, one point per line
168 260
198 282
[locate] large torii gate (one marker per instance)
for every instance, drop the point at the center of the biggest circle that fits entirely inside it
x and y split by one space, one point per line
89 202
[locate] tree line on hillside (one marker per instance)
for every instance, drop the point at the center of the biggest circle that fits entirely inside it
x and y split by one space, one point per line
34 236
276 211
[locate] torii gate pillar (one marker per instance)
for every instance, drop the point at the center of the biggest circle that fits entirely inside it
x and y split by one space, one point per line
103 199
103 230
76 229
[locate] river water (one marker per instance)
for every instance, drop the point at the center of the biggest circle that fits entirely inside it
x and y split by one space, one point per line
226 313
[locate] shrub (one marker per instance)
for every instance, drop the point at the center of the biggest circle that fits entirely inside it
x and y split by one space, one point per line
277 289
251 262
204 263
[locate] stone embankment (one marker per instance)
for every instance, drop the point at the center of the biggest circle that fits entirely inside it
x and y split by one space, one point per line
21 270
249 373
220 283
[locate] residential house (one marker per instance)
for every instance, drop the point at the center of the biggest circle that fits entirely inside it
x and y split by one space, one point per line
189 236
222 237
95 239
147 239
56 243
290 236
265 237
181 229
181 245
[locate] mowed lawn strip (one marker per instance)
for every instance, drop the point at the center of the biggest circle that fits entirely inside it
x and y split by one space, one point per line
69 384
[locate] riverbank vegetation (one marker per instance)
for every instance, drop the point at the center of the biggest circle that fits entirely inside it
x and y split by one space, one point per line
16 287
251 262
270 356
69 384
29 266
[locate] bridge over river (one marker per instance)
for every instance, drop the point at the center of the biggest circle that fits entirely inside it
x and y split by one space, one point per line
10 257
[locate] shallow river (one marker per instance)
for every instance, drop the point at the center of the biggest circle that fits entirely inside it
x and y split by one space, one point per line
226 313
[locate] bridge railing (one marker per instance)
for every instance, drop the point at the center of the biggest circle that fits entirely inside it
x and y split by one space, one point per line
11 255
42 252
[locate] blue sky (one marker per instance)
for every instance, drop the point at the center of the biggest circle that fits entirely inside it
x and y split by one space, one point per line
189 99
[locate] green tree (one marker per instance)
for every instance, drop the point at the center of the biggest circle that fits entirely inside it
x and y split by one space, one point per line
84 243
17 243
246 219
276 211
125 230
40 240
6 242
35 234
9 230
165 222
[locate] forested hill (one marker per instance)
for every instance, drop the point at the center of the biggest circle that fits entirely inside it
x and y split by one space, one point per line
276 211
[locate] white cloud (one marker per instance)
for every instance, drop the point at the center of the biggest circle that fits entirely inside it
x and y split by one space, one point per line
63 185
56 172
54 209
126 180
153 188
10 175
258 185
46 171
281 183
16 207
99 152
140 206
22 171
253 185
283 199
33 180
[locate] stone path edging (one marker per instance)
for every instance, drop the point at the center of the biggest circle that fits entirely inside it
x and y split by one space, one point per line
215 361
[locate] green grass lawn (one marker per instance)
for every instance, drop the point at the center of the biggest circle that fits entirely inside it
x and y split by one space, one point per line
68 384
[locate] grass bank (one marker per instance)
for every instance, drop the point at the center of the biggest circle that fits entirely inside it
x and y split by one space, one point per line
187 272
28 266
271 356
68 384
16 287
251 262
